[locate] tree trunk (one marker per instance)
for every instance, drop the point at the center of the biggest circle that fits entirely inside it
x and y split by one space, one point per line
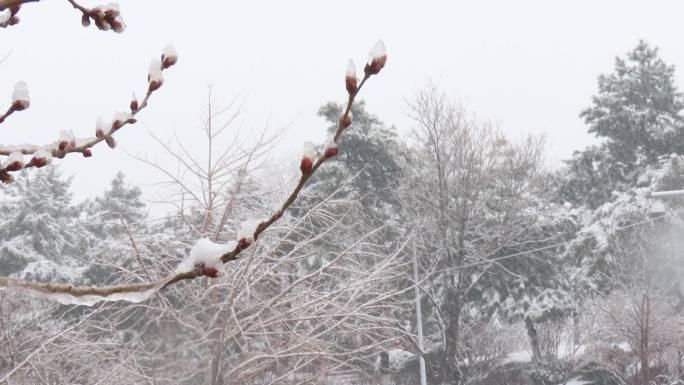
643 346
534 340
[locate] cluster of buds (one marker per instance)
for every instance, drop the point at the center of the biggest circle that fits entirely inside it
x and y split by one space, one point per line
377 60
105 17
10 18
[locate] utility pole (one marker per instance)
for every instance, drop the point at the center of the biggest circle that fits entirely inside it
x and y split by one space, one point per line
419 316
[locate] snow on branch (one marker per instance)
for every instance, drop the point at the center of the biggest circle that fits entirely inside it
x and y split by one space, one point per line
66 142
206 256
105 17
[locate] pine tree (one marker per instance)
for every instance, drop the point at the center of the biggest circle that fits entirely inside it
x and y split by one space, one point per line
637 112
41 234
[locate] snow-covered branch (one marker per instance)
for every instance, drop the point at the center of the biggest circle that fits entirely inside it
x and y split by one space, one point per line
67 143
202 262
105 17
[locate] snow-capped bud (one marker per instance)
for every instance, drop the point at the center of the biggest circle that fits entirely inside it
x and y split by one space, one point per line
20 97
85 20
118 25
111 10
110 141
350 78
246 232
134 104
210 271
377 59
99 133
102 126
87 153
331 148
5 177
155 76
40 158
169 56
13 21
119 119
66 139
308 156
346 120
15 161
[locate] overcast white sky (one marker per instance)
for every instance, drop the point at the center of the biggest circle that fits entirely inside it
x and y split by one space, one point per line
531 66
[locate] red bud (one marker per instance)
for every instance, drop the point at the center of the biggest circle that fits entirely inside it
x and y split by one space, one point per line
306 166
5 177
134 104
85 20
154 85
346 120
99 133
331 151
210 272
244 243
87 153
63 144
14 166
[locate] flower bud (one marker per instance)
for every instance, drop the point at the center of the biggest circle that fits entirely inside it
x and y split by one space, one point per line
350 80
134 104
377 60
87 153
331 148
169 56
308 155
210 271
346 120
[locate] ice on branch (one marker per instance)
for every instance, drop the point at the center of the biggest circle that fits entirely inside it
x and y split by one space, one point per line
155 76
350 80
20 97
308 157
246 232
169 56
205 255
377 59
69 299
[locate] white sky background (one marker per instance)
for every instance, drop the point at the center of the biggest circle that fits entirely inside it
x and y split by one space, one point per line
530 66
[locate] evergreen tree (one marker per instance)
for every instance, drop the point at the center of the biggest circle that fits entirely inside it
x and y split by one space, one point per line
42 237
637 112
